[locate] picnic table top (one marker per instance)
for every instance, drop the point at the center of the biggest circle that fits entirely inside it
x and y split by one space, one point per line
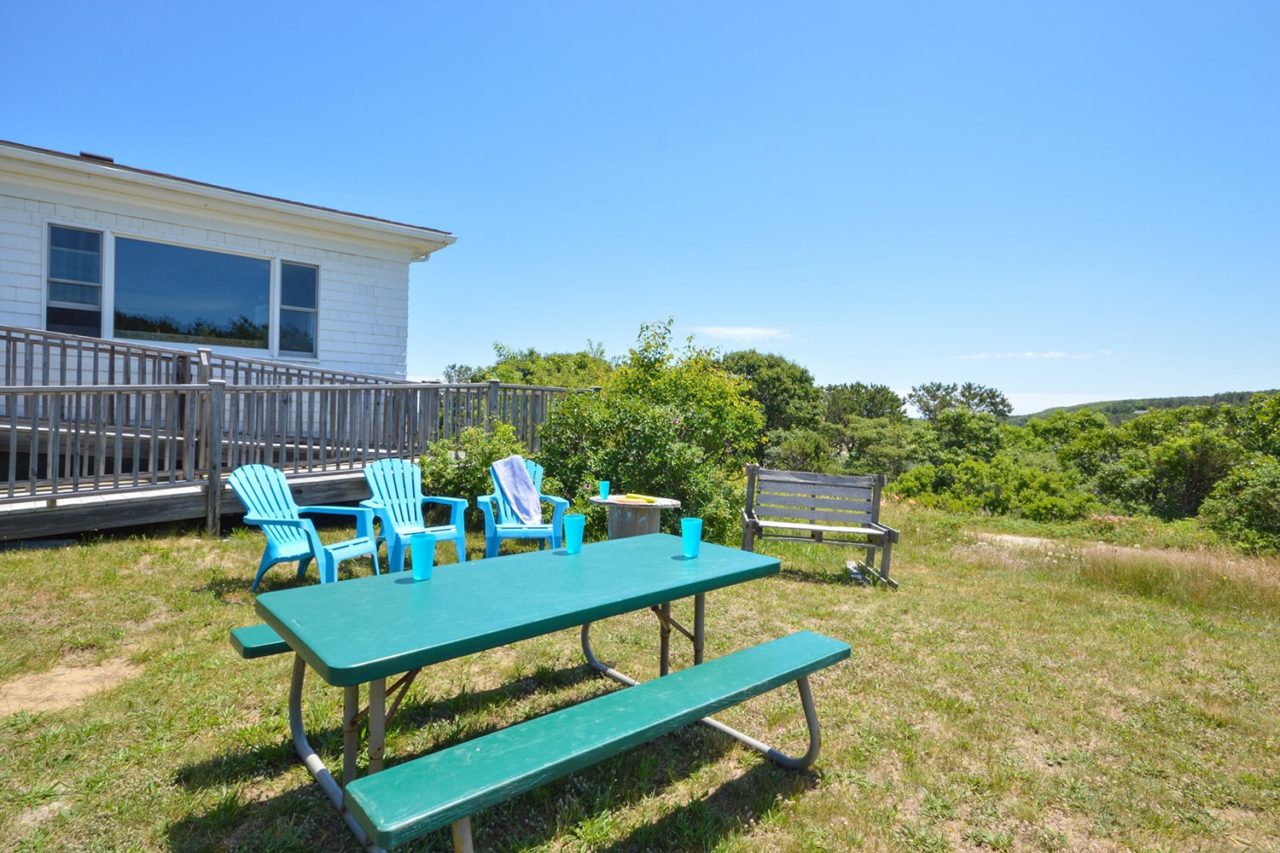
367 628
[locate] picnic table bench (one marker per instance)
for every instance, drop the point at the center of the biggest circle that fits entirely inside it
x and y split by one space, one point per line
830 508
424 622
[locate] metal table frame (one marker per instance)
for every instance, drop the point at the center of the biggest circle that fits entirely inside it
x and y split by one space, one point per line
377 713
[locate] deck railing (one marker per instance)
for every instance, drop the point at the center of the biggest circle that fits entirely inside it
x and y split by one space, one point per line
60 441
34 357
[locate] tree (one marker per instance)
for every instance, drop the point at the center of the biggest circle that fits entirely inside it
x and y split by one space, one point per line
1244 507
980 398
859 400
585 369
784 389
933 398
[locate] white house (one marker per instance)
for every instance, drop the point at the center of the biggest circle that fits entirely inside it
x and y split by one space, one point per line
91 247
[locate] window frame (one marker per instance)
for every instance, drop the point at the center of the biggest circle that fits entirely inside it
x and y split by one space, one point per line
281 307
47 263
107 287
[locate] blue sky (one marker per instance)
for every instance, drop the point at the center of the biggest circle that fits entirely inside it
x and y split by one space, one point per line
1068 201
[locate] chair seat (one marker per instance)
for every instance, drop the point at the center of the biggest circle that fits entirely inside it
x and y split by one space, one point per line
415 529
523 531
351 547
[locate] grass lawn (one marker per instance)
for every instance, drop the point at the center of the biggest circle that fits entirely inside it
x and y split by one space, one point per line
1014 695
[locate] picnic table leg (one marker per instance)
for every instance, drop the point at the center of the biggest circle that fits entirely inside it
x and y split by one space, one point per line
350 733
664 639
699 626
377 723
776 756
308 754
461 832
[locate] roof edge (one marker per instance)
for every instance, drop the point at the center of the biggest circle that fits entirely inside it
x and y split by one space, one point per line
94 165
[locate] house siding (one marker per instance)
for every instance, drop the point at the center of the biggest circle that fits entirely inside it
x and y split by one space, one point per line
364 291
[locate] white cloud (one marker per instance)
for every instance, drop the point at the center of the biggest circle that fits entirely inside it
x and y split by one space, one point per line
1033 356
742 334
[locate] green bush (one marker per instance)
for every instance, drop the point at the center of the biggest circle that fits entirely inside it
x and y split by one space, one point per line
1003 486
1244 507
460 469
670 424
799 450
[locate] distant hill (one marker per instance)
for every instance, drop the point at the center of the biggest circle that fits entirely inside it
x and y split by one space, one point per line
1122 410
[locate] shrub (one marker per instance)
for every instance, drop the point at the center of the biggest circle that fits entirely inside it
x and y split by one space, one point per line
665 423
1244 506
460 468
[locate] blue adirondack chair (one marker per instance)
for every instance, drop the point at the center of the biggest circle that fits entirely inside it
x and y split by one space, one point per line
269 504
507 525
397 502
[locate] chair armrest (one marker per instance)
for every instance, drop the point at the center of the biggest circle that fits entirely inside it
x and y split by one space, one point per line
332 510
457 506
485 503
362 515
449 502
371 503
556 503
259 521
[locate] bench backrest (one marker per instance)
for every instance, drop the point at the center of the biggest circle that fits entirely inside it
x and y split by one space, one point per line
802 495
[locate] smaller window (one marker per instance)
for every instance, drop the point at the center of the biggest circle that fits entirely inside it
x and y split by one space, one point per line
298 300
74 305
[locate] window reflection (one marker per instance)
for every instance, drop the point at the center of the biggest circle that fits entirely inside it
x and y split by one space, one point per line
174 293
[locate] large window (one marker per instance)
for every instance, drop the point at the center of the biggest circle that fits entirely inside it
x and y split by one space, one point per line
298 286
173 293
74 305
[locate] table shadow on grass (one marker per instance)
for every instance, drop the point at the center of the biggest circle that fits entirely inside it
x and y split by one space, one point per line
270 760
580 806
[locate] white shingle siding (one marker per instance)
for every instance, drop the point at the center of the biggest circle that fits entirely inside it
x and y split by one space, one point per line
364 290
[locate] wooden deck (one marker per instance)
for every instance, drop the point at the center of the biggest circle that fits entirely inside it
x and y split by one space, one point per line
107 510
96 434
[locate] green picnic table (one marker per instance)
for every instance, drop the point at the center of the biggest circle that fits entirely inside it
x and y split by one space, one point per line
366 630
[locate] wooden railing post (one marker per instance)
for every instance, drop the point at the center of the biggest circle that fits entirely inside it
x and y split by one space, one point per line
491 410
202 365
213 429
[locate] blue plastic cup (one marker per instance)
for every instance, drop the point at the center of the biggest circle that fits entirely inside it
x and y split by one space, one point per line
422 555
604 490
690 537
575 523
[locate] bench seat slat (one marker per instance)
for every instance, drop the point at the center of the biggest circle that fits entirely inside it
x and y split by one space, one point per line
257 641
410 799
785 525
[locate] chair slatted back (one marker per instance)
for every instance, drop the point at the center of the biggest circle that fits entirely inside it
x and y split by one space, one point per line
397 483
507 515
264 492
816 498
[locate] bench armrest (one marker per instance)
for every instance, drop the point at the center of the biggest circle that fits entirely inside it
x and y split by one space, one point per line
890 533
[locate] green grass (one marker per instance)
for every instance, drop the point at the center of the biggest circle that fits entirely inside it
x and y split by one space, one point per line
1010 697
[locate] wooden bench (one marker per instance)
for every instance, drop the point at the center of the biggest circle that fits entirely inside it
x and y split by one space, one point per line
408 800
808 507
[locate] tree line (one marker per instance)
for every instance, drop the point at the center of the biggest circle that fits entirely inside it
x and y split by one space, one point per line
683 421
